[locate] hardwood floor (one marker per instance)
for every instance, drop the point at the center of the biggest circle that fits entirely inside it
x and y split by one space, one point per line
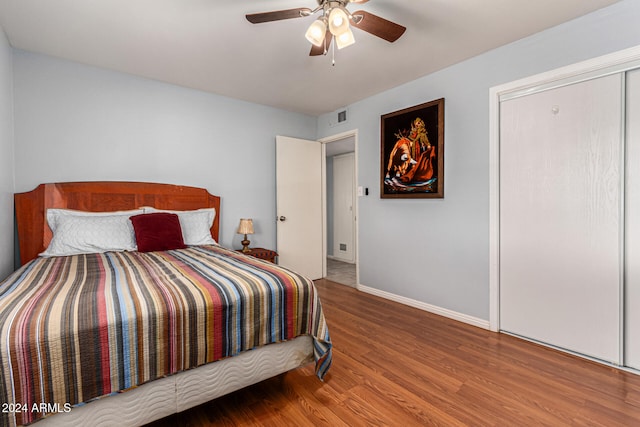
399 366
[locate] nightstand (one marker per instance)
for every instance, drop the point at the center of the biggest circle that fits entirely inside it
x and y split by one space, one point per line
262 253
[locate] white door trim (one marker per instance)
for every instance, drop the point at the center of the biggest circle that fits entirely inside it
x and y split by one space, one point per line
597 67
343 135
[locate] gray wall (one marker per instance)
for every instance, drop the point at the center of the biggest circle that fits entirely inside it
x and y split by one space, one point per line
78 123
437 251
6 157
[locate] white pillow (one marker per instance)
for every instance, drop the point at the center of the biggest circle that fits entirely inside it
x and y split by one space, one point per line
196 225
54 214
81 234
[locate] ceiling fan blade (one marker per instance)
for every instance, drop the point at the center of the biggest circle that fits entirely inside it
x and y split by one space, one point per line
257 18
390 31
320 50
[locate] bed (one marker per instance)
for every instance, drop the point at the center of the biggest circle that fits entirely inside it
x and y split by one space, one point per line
128 337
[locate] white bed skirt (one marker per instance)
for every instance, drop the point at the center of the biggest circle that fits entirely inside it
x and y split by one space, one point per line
176 393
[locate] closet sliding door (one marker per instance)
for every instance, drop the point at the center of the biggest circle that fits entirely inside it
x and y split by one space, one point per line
560 216
632 224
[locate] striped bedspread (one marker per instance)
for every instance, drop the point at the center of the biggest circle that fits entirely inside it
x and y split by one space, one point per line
76 328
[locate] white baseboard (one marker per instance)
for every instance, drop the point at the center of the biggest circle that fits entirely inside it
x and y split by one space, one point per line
474 321
340 259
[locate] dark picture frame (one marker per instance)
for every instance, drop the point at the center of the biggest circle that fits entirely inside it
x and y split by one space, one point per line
412 152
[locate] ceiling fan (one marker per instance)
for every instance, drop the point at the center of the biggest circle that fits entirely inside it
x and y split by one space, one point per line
335 21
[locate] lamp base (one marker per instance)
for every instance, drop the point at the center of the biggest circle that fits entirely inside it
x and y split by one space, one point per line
245 245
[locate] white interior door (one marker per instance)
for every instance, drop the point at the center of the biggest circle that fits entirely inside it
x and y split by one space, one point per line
560 219
632 226
299 178
344 207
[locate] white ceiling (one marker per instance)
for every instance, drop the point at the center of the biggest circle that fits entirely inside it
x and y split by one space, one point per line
341 146
209 45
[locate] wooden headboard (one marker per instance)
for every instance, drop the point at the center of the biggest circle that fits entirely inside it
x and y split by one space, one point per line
33 231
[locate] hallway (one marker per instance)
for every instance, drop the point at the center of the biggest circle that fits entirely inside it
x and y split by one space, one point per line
341 272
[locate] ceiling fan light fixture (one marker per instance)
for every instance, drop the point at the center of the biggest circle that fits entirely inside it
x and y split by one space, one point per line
345 39
316 32
338 21
335 22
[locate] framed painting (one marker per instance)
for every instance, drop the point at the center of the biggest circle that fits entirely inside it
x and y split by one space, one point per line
412 152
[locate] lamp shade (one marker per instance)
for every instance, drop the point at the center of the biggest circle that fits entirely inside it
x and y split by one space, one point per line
338 21
316 32
246 226
345 39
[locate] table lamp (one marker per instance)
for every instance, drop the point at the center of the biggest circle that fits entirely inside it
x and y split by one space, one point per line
245 227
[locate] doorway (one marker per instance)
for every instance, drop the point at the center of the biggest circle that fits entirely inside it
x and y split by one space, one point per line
341 208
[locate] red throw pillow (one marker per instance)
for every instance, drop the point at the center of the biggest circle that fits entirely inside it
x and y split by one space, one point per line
157 232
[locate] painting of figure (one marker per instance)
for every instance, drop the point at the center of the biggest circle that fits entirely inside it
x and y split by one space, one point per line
412 152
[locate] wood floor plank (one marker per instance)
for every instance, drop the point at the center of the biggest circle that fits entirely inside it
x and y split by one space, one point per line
400 366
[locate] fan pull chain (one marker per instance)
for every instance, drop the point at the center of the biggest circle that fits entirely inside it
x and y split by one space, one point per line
333 54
